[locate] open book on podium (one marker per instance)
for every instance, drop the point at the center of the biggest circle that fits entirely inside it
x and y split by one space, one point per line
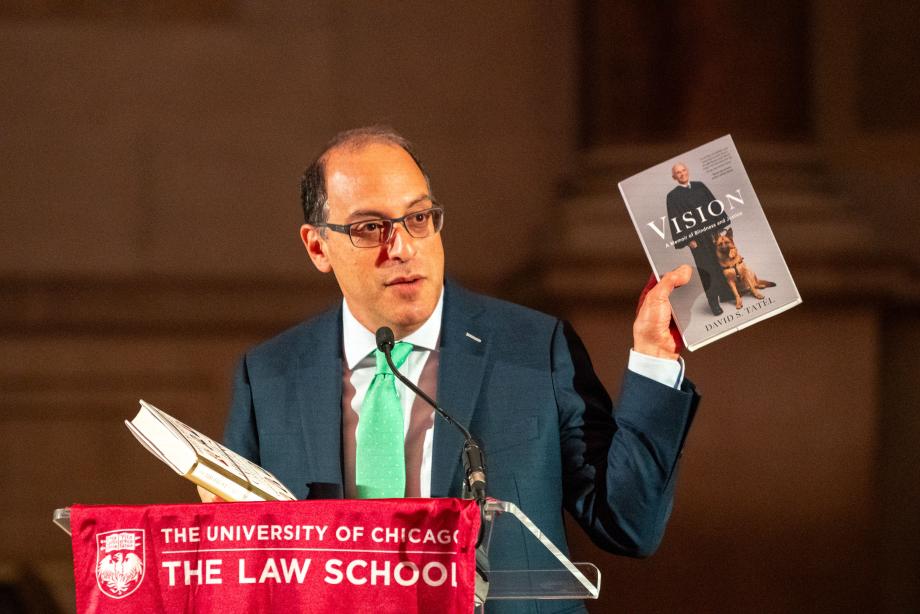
202 460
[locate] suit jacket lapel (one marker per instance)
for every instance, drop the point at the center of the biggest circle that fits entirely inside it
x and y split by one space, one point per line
317 397
464 350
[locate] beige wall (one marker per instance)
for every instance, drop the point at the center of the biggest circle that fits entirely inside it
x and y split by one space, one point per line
135 146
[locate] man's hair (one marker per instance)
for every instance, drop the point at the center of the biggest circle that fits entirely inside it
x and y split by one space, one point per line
313 196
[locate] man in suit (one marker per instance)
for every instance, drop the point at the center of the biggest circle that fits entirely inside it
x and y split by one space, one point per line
521 381
688 209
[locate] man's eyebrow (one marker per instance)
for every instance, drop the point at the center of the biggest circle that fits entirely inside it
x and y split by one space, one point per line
421 198
366 214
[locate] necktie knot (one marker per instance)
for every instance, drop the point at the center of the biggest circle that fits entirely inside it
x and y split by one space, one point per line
399 353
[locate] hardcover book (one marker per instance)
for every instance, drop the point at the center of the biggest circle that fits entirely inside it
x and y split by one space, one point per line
202 460
699 208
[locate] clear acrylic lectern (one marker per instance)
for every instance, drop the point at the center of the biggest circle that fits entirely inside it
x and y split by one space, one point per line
567 581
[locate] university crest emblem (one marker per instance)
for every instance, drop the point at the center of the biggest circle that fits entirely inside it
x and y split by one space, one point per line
120 561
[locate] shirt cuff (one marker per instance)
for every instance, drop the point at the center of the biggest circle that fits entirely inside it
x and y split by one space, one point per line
662 370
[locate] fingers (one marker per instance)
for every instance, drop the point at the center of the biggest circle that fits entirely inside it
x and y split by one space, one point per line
207 496
648 287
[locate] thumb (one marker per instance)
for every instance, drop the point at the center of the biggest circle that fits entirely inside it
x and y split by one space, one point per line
673 279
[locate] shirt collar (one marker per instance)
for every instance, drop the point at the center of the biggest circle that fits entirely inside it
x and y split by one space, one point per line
359 342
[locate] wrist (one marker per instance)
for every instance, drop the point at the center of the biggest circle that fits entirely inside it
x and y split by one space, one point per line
654 351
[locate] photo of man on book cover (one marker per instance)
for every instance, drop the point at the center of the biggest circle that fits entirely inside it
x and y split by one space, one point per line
685 199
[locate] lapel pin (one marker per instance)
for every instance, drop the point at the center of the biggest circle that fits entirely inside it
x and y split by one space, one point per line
474 338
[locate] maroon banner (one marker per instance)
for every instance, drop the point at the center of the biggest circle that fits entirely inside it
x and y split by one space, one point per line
387 555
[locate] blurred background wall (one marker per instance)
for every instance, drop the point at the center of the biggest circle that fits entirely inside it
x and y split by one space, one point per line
149 162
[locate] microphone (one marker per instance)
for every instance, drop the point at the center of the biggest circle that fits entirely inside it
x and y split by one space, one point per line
474 461
385 339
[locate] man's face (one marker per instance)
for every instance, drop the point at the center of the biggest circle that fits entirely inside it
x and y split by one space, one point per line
680 174
397 284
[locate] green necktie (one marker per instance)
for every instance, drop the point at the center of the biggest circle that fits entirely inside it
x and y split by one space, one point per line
380 459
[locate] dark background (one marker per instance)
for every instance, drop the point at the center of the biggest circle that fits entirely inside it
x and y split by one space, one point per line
149 162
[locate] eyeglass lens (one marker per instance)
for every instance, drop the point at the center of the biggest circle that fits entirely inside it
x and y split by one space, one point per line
378 232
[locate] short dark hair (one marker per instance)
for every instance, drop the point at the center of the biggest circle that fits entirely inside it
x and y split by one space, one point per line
313 196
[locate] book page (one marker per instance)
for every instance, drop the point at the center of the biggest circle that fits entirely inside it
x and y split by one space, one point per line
151 447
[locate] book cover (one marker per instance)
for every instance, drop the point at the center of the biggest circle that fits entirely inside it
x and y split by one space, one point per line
699 208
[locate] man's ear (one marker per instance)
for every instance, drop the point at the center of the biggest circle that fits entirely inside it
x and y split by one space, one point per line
316 247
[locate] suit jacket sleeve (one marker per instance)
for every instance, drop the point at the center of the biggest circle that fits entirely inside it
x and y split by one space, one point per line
619 464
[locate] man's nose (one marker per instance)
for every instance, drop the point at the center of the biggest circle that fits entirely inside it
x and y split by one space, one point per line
401 246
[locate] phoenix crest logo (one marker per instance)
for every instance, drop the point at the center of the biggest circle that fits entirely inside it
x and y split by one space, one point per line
120 561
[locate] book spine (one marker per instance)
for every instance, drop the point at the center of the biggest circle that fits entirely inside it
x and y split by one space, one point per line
221 485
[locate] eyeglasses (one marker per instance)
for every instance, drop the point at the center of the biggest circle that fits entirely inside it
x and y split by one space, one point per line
373 233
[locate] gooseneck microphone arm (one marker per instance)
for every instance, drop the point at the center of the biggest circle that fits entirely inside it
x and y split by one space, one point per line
474 462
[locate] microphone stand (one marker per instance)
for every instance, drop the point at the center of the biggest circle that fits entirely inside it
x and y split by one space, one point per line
474 461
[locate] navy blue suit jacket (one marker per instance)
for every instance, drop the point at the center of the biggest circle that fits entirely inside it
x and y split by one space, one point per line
527 391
